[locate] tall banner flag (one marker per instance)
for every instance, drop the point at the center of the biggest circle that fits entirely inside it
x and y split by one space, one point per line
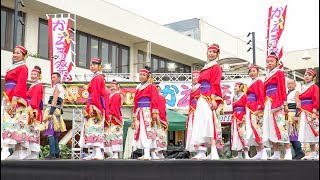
276 25
60 52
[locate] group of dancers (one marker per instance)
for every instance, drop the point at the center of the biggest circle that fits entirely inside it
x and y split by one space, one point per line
260 115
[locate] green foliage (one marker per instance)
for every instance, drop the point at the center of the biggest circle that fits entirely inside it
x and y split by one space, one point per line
65 152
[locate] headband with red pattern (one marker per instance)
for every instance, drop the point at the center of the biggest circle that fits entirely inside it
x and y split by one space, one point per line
239 83
22 49
195 72
312 72
273 57
96 60
114 82
36 70
214 47
144 71
253 67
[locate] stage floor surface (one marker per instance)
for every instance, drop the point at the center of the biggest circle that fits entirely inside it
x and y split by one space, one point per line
159 170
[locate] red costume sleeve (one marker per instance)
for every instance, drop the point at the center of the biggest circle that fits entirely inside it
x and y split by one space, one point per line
106 105
115 105
216 75
37 95
315 97
96 89
282 86
260 95
154 99
21 87
135 101
162 108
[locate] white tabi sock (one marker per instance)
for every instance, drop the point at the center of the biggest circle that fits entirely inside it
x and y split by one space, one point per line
146 153
214 153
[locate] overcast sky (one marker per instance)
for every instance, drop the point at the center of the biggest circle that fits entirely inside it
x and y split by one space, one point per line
237 17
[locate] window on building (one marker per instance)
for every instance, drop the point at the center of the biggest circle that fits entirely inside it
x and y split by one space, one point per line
89 46
43 43
82 50
124 60
141 60
154 64
104 53
7 26
94 51
114 58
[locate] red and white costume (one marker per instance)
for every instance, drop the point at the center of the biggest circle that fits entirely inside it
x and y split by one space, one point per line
255 104
238 130
206 124
274 123
34 98
194 96
162 125
145 104
15 129
309 128
98 103
114 135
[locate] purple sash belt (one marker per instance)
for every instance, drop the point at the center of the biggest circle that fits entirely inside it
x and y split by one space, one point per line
205 86
271 89
10 85
193 101
306 102
252 97
144 102
239 109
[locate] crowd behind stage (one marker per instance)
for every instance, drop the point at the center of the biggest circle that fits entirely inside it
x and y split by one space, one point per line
265 115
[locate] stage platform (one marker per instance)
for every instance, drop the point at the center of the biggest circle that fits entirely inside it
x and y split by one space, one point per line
159 170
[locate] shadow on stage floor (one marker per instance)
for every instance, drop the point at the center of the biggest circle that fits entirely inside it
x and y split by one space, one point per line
159 170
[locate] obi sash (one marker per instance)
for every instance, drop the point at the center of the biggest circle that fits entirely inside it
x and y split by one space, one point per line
239 109
194 102
205 86
306 102
10 85
271 89
252 97
144 102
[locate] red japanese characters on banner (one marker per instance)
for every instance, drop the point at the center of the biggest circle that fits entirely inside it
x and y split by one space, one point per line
60 47
275 29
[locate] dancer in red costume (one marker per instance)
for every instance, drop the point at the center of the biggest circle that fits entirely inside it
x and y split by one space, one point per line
206 130
145 116
238 128
114 135
254 113
309 123
96 112
34 98
14 123
194 96
274 122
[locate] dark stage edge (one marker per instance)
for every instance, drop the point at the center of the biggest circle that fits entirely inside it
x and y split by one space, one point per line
159 170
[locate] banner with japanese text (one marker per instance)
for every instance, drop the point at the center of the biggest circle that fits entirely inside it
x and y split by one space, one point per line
60 47
275 28
176 93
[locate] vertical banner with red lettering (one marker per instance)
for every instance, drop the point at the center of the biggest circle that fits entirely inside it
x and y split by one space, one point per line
275 29
60 47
